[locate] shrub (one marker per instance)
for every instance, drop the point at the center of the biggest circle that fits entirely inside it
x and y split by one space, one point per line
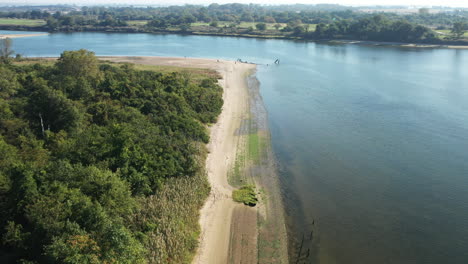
261 26
246 195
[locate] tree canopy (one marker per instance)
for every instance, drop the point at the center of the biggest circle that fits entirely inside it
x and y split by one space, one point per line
459 28
101 163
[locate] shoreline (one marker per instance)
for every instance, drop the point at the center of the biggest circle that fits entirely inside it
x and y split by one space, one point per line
264 171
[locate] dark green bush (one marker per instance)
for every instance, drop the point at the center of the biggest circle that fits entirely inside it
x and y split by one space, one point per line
246 195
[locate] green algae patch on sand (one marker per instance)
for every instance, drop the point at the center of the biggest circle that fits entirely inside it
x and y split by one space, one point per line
257 146
254 150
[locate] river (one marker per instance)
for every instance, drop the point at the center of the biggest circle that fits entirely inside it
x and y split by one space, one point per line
372 142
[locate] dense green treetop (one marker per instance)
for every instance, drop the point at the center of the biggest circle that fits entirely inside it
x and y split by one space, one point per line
83 146
377 28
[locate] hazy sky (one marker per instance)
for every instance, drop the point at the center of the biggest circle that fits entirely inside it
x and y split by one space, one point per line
453 3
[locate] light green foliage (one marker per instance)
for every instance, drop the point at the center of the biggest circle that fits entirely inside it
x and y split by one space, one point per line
102 163
81 63
246 195
237 176
22 22
170 220
14 235
137 22
254 147
447 32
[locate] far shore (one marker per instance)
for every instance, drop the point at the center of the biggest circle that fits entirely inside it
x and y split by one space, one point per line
395 44
326 41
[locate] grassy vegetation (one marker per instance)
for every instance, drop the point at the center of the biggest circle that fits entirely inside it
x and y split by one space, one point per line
448 32
194 74
174 214
27 61
22 22
137 22
198 24
269 26
245 25
246 195
251 150
254 151
312 27
257 144
236 176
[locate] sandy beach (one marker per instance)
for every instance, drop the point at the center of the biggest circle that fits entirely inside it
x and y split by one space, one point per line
217 214
4 36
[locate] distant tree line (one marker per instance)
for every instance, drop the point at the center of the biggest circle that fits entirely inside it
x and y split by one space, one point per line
310 14
30 14
290 21
58 21
376 28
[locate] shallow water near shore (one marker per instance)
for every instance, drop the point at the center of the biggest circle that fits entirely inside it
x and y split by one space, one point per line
372 142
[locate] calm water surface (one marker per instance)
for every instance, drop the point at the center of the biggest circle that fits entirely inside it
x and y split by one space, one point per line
372 141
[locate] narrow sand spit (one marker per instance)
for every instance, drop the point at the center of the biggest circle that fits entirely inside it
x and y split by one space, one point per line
216 215
4 36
